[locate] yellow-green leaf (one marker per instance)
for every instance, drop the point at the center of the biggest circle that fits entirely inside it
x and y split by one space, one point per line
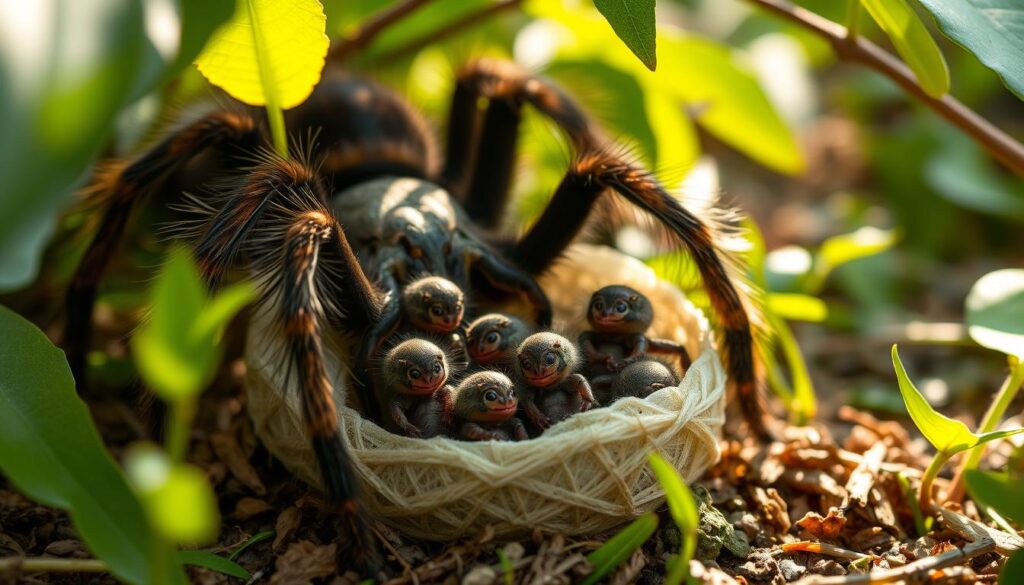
271 51
798 307
683 509
995 311
913 42
944 433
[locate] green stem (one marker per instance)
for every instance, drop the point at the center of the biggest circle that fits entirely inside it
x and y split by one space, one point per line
925 497
274 112
994 415
179 423
852 18
908 496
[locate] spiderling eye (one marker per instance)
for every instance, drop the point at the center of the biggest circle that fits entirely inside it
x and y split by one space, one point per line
491 396
437 368
621 307
599 305
550 358
415 374
492 337
437 310
526 364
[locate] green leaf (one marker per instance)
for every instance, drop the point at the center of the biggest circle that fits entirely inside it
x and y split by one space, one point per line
255 538
633 22
176 349
1013 569
995 311
913 42
272 53
177 498
963 174
945 434
67 67
718 85
683 509
798 307
51 451
997 490
804 404
620 547
845 248
991 29
208 560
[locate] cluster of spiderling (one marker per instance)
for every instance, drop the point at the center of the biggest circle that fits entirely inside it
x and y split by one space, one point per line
518 382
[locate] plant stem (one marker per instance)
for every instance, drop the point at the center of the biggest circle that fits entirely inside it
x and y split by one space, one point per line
852 18
179 423
274 112
372 27
994 415
449 29
908 496
859 50
925 497
55 565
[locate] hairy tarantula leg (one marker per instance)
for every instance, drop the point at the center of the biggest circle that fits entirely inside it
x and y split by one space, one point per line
120 192
598 170
302 312
508 87
508 278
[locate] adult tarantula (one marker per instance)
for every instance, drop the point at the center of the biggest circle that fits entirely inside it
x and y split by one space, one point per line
335 236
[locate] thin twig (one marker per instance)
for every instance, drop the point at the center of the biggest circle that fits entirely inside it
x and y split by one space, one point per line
860 50
906 572
448 30
823 548
51 565
372 27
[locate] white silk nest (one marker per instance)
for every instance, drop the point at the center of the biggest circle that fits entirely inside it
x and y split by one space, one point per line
584 475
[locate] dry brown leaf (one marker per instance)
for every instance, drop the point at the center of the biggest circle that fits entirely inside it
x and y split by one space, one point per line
827 528
248 507
286 525
229 451
303 562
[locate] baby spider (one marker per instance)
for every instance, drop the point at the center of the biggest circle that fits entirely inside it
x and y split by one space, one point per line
415 372
546 364
486 405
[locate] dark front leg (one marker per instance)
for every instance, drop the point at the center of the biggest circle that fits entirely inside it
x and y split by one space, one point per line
507 278
118 191
402 421
518 429
638 347
670 347
581 386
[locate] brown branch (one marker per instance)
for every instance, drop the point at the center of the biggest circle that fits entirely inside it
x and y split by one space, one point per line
373 26
859 50
449 29
22 565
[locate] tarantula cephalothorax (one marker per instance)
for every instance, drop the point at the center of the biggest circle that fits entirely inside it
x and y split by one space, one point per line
333 237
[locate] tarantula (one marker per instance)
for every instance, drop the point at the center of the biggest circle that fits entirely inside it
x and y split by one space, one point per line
334 236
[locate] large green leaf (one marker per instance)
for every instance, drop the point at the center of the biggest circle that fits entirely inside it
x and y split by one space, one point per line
913 42
995 311
991 29
270 53
50 449
714 82
67 67
633 22
945 434
998 490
